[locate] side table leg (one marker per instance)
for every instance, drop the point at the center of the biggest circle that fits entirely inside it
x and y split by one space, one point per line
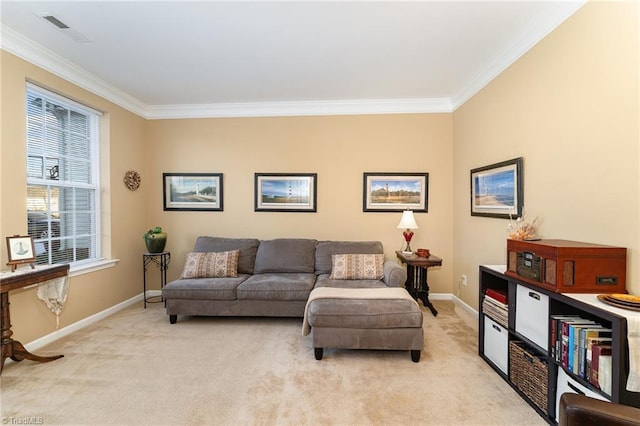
424 291
427 304
144 281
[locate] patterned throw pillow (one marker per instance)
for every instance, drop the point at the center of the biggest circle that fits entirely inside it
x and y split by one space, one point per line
211 265
357 266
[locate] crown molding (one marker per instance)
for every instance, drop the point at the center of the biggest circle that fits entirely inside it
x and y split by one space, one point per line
38 55
505 58
32 52
25 48
301 108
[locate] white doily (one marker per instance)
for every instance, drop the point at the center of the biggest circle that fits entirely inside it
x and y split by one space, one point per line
54 294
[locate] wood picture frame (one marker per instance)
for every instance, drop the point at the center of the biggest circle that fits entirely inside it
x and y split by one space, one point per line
20 250
286 192
395 192
497 189
192 191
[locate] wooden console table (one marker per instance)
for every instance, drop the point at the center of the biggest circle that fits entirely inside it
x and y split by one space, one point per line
416 283
12 348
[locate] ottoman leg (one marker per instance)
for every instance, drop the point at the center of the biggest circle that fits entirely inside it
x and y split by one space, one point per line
415 355
318 353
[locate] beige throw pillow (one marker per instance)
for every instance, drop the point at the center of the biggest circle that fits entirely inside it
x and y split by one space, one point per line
211 265
357 266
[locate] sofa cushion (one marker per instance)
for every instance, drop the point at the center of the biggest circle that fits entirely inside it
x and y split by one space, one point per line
203 288
247 246
364 313
357 266
211 265
280 286
290 255
324 250
325 280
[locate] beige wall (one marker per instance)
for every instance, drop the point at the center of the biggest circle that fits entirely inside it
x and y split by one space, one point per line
125 212
338 148
570 108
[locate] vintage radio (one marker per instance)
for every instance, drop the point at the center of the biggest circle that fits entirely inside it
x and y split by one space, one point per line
568 266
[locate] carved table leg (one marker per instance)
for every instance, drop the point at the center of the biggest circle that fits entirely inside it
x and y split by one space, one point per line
12 348
418 286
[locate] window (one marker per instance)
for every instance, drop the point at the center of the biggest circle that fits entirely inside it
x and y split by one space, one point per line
62 179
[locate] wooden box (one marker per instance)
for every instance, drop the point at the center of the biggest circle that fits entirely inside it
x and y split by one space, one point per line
565 266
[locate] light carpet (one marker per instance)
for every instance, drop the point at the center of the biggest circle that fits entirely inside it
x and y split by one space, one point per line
134 368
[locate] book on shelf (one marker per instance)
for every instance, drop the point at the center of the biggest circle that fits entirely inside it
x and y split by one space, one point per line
588 336
566 345
556 334
605 373
497 294
495 310
598 367
574 337
495 302
589 352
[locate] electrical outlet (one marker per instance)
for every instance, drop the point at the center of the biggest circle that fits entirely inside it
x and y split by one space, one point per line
463 279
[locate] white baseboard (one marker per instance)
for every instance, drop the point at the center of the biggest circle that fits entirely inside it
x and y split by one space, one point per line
456 300
65 331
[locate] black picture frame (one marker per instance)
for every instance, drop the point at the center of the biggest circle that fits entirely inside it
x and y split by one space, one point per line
497 190
286 192
395 192
192 191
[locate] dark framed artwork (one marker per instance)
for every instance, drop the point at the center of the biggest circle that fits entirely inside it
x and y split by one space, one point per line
285 192
395 192
497 190
192 191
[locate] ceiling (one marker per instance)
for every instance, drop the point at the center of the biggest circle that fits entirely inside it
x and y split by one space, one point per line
170 59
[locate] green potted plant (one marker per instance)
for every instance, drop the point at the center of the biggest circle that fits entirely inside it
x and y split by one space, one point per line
155 240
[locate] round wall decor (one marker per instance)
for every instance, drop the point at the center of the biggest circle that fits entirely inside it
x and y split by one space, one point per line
132 180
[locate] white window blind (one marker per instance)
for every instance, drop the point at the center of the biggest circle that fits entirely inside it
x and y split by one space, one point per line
62 178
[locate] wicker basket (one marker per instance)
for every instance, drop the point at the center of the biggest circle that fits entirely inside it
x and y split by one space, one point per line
529 373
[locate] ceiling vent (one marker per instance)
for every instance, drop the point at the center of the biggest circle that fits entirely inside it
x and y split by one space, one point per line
64 28
55 21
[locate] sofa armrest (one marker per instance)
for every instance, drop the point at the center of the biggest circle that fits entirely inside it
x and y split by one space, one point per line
582 410
394 274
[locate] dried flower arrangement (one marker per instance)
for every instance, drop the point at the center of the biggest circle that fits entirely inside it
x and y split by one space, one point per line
520 229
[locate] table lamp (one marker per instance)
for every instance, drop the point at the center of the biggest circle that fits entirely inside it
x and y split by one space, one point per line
407 222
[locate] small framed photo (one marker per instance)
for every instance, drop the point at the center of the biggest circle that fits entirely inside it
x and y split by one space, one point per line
395 192
285 192
192 191
20 249
497 190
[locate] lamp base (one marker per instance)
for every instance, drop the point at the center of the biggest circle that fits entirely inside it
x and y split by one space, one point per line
408 234
407 249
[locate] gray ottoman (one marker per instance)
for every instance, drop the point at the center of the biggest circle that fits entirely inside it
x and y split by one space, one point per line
366 324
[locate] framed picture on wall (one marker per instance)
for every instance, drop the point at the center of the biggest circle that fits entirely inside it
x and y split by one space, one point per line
192 191
285 192
395 192
497 190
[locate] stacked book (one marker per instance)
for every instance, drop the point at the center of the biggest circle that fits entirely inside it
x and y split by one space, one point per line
495 305
583 347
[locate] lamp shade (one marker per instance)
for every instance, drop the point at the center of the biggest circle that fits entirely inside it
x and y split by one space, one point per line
407 221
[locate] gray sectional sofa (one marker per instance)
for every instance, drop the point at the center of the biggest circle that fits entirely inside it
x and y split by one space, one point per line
278 277
275 277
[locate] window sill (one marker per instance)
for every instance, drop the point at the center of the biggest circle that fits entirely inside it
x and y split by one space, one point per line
97 265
